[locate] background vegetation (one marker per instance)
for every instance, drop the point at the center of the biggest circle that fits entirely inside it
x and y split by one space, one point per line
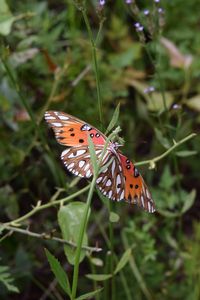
84 59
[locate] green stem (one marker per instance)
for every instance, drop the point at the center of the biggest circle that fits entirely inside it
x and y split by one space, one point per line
85 217
111 242
40 207
152 161
94 56
46 236
80 239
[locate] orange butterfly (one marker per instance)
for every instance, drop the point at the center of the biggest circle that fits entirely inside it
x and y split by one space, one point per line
120 180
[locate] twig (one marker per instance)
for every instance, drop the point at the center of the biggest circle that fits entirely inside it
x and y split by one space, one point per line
40 207
45 236
81 75
151 162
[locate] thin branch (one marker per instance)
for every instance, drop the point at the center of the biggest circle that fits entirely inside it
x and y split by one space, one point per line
151 162
40 207
81 75
45 236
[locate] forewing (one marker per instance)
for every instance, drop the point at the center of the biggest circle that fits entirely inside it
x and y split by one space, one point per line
77 160
111 180
136 191
71 131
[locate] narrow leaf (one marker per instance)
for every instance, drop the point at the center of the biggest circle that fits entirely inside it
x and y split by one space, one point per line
59 273
114 119
123 261
93 155
99 277
163 140
89 295
7 279
186 153
189 201
6 18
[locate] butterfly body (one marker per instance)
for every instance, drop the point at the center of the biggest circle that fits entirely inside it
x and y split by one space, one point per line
118 178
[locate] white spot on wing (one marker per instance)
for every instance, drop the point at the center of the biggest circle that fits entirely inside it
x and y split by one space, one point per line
81 163
109 182
49 117
86 167
80 152
70 166
122 195
118 179
88 173
110 194
142 200
61 117
64 153
148 194
56 124
98 179
149 206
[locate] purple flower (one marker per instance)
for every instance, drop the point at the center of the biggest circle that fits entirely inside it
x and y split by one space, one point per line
176 106
102 2
149 89
156 1
128 1
160 10
146 12
138 26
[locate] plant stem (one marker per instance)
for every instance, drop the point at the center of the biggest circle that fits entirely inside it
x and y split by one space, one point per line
80 239
85 217
94 56
152 161
46 236
40 207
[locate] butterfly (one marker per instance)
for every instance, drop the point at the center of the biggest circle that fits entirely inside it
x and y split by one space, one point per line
118 179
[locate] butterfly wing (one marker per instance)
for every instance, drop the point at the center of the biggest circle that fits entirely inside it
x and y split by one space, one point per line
77 160
70 131
111 180
136 191
120 180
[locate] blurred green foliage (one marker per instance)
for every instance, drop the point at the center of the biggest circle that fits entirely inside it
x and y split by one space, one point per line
46 63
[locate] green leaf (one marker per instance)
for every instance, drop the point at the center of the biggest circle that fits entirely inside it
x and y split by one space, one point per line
126 57
189 201
7 280
6 18
168 214
69 219
186 153
163 140
123 261
167 179
99 277
114 218
193 103
96 261
155 101
93 155
114 119
89 295
59 273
